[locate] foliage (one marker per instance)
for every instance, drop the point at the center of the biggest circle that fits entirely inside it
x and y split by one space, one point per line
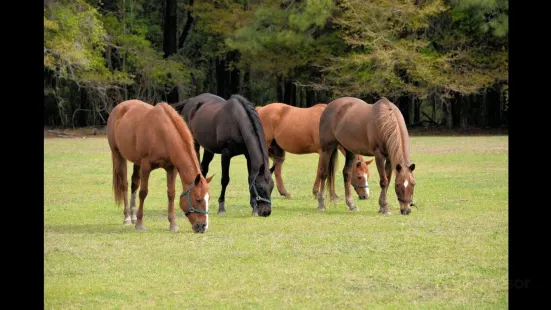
74 40
283 35
112 49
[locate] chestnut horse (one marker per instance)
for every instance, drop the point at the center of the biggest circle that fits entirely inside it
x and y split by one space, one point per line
230 128
154 137
368 129
296 130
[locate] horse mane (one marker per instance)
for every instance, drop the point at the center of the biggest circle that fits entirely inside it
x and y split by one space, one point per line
179 106
393 129
257 125
182 129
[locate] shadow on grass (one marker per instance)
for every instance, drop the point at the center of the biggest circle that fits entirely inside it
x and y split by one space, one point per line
89 228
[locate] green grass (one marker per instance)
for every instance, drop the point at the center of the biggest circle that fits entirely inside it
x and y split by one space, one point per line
449 253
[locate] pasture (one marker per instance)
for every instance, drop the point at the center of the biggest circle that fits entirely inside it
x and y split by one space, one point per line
450 252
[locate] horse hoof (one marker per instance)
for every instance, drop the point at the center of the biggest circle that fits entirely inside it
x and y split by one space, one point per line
321 209
134 221
140 227
354 209
221 212
174 228
127 222
288 196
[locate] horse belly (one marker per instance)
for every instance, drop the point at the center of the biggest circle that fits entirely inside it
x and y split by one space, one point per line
297 138
297 145
125 139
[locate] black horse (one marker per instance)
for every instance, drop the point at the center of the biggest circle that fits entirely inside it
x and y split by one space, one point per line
231 127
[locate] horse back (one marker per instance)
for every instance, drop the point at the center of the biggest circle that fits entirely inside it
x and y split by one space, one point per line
345 121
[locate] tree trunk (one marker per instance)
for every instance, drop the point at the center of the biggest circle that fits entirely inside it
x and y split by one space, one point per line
169 41
83 106
310 98
289 95
403 105
279 89
234 75
187 27
455 105
220 78
416 110
245 88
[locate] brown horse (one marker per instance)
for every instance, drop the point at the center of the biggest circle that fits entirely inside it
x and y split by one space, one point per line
296 130
154 137
369 129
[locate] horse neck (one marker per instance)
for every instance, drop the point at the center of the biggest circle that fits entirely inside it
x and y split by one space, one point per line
255 155
399 154
186 163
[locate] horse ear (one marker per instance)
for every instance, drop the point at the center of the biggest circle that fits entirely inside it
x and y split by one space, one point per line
412 167
367 162
272 169
358 164
210 178
197 179
398 167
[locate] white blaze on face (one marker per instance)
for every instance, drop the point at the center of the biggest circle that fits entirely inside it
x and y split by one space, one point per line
366 184
406 184
207 209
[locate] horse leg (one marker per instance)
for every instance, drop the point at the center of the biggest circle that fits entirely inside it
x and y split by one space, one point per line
196 146
381 168
144 180
120 183
279 158
171 193
134 192
252 200
323 163
333 193
226 158
315 189
347 176
207 158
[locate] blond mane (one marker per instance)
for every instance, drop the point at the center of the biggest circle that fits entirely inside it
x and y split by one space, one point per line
183 130
393 129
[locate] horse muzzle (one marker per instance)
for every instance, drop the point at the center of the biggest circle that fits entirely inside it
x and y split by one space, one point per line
199 227
264 209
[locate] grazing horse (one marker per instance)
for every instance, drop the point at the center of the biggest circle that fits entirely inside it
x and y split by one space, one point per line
296 130
368 129
154 137
231 127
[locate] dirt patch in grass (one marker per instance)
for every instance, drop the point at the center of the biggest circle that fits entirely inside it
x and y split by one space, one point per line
420 131
449 150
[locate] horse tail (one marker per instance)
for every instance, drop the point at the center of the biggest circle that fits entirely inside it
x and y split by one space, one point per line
256 123
120 183
333 160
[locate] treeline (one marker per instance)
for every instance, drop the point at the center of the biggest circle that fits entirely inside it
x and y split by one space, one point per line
443 62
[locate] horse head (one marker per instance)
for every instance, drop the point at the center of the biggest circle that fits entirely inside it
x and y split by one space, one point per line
404 186
360 177
261 188
194 201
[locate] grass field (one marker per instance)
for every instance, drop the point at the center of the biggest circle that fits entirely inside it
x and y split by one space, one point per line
451 252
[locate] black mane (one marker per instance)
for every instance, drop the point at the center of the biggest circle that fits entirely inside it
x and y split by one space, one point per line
255 121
